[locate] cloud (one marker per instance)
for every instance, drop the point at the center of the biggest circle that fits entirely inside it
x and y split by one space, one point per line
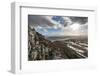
75 29
69 26
37 20
67 21
46 21
81 20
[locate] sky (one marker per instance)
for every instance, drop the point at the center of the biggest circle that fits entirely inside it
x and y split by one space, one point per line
59 25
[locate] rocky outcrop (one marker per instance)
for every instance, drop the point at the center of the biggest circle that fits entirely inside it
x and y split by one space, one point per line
40 48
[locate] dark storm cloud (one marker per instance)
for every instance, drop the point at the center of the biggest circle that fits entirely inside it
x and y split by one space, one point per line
59 25
57 22
84 26
39 20
81 20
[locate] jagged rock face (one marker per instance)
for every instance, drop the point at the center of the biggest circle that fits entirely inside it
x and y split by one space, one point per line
39 48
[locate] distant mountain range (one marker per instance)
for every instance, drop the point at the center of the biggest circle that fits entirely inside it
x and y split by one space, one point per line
61 38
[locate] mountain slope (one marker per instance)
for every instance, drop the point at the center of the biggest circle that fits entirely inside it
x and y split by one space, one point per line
40 48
